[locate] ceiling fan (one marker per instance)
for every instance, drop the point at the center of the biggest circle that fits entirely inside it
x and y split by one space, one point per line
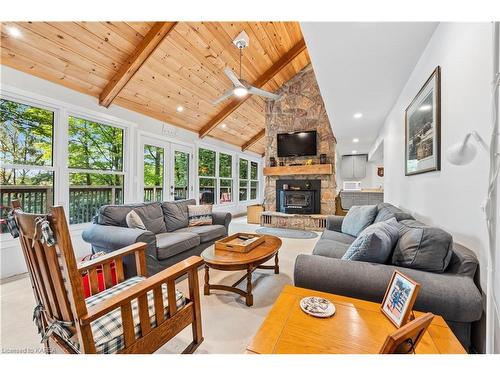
241 87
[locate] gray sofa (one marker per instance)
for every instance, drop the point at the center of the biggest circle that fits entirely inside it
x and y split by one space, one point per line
168 236
451 294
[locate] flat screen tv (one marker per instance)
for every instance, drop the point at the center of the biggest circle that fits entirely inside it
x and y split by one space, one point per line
297 144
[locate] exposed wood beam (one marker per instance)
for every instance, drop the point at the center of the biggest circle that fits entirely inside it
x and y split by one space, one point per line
133 63
261 81
253 140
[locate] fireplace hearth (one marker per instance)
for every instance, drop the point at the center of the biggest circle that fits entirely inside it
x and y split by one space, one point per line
298 196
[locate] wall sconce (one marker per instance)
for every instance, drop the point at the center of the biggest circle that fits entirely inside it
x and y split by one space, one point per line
464 152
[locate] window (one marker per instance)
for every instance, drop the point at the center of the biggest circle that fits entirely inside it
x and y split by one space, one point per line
96 167
206 174
243 180
254 180
181 175
26 149
153 173
225 178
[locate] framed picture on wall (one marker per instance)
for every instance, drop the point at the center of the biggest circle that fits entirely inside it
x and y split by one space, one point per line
423 128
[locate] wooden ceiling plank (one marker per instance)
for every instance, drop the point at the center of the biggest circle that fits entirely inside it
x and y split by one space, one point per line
188 66
83 35
136 89
147 46
125 31
83 52
263 79
140 27
110 37
253 140
27 65
85 74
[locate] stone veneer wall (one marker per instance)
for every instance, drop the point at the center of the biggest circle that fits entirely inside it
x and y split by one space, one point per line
300 108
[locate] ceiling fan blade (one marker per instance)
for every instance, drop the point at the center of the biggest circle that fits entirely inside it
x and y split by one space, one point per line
264 93
224 96
232 77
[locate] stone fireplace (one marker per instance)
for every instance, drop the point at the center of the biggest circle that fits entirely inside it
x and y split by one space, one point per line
300 108
298 196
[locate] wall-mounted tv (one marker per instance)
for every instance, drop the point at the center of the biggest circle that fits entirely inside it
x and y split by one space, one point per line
297 144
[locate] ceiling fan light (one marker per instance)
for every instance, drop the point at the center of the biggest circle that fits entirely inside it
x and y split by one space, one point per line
240 91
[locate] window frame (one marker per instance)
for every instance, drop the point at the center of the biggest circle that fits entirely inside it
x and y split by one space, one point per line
214 177
219 179
125 161
56 189
250 180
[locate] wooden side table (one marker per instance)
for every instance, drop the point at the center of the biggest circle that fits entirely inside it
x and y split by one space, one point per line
358 327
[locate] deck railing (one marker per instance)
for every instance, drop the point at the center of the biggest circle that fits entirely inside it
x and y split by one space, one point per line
84 201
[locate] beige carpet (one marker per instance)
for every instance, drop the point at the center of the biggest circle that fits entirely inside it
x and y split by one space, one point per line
228 324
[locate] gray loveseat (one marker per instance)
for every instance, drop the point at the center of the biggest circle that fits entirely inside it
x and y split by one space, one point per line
168 236
451 294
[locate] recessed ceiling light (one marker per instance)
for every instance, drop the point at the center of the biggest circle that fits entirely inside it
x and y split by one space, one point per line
180 108
354 152
357 115
223 126
355 140
13 31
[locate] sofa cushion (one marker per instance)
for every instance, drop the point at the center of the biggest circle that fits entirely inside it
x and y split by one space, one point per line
200 215
463 261
152 217
134 220
375 243
170 244
115 215
206 232
387 211
330 248
422 247
337 236
176 214
358 218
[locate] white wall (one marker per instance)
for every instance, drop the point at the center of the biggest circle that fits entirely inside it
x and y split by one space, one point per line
28 87
452 197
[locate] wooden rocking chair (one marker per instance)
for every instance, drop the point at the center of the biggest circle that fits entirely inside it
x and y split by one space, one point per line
137 315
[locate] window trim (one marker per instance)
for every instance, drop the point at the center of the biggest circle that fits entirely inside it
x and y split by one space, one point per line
62 110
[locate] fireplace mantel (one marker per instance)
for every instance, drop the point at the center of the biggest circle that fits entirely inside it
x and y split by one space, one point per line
293 170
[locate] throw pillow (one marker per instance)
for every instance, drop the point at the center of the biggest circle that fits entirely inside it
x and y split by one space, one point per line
422 247
134 220
375 243
200 215
358 218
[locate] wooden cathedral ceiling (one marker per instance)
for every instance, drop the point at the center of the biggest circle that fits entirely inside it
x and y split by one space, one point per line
155 72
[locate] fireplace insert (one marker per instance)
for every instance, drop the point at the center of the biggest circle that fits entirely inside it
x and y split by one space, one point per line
300 197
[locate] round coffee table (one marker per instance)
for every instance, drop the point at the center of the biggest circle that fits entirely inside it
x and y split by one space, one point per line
233 261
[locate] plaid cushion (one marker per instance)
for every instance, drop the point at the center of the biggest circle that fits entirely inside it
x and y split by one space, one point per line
108 331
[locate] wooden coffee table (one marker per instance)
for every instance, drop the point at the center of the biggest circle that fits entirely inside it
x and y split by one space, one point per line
357 327
233 261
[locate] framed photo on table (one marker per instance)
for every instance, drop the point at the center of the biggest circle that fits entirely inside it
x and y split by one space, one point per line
399 298
423 128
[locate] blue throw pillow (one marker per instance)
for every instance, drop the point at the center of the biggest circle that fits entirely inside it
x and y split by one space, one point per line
358 218
375 243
